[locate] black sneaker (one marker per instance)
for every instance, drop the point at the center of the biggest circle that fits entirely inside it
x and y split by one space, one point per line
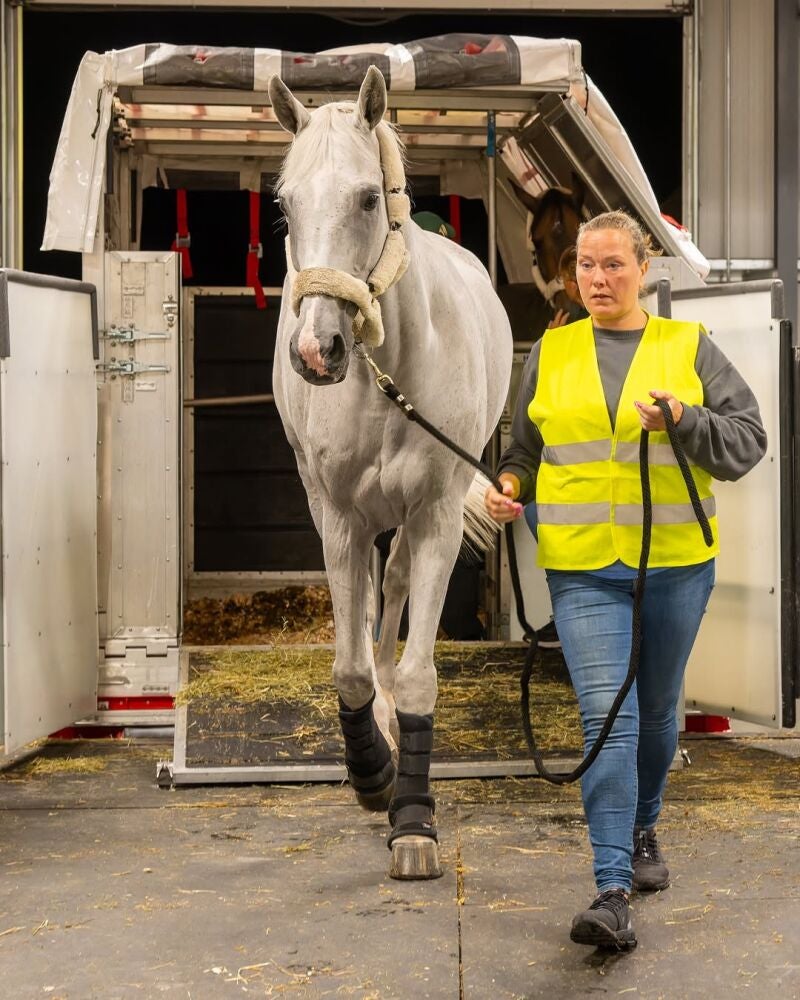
649 871
547 636
606 924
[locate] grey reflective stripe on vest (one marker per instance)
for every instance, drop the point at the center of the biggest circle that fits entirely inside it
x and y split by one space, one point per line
573 513
578 452
600 451
624 513
663 513
657 454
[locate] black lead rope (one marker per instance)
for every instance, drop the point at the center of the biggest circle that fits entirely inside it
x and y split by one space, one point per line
638 595
388 387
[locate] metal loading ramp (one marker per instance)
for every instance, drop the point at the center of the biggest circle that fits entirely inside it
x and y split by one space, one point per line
269 714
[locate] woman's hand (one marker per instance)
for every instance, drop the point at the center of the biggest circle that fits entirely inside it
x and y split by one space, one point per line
651 416
502 507
560 319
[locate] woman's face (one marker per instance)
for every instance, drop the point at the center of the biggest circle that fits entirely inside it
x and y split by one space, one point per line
609 276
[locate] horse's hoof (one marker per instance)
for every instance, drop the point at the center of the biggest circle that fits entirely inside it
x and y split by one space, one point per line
415 858
376 801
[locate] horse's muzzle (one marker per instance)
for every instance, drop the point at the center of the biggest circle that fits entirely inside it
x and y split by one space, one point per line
328 364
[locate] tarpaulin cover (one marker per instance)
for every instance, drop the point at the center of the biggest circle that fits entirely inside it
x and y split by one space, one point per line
452 62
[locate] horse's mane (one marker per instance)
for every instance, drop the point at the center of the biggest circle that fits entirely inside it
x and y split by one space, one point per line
333 122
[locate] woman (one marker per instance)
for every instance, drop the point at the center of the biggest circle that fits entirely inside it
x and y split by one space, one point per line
582 404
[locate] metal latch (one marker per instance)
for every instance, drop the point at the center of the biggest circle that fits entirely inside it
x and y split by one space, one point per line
129 334
130 368
170 310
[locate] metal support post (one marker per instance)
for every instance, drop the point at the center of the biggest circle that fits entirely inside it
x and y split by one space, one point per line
491 161
11 134
691 111
727 150
787 152
493 559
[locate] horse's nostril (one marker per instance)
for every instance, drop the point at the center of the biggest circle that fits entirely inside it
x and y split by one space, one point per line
336 352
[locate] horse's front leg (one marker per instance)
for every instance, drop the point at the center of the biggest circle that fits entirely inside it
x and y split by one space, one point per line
370 768
395 592
434 537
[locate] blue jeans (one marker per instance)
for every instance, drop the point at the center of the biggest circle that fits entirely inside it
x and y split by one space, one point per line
593 615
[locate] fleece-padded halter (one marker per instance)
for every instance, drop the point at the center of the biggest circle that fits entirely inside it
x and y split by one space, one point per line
391 265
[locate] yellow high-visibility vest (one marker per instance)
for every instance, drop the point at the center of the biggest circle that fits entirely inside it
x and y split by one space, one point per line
588 489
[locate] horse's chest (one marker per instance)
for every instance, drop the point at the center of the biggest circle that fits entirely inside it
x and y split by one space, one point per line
363 468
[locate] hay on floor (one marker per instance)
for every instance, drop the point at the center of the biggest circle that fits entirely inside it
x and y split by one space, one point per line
284 699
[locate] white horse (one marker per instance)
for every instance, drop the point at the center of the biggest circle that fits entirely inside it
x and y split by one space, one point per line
442 334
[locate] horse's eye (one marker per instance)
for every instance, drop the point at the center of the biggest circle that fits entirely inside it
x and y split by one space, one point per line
370 201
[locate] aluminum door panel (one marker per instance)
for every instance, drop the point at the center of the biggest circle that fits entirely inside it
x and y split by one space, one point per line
49 589
139 455
735 667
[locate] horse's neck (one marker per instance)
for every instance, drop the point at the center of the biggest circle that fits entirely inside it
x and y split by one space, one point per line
406 310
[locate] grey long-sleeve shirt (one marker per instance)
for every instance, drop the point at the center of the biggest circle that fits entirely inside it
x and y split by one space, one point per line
724 436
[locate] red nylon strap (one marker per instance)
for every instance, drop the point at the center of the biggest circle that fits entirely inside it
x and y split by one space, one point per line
255 250
455 216
183 240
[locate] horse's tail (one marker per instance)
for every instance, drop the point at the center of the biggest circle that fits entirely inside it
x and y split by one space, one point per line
480 531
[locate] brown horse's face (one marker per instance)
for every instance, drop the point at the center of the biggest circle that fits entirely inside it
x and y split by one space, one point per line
553 230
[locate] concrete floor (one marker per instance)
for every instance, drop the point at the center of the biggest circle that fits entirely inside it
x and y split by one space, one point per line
112 888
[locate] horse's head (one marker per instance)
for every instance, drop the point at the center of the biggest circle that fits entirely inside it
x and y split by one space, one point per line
331 190
553 229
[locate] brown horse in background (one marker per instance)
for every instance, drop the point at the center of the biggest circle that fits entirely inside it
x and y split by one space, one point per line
553 223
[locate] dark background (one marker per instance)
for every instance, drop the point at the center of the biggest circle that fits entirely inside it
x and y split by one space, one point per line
635 61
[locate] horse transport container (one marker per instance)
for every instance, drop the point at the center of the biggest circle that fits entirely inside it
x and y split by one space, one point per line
520 110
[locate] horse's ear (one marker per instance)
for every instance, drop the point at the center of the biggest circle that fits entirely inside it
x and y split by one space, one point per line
288 110
528 200
578 191
372 97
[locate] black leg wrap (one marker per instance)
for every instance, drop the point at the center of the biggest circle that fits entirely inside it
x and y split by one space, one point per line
367 755
412 808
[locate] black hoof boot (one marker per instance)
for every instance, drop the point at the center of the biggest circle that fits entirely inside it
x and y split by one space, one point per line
413 840
370 768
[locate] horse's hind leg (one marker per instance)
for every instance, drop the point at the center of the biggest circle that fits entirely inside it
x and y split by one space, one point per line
368 757
434 537
395 592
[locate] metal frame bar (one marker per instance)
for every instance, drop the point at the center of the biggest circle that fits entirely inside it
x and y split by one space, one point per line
593 7
787 168
641 205
176 772
727 151
11 150
790 667
691 98
512 98
734 288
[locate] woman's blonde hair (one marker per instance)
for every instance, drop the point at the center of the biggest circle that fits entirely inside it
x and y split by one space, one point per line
641 241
